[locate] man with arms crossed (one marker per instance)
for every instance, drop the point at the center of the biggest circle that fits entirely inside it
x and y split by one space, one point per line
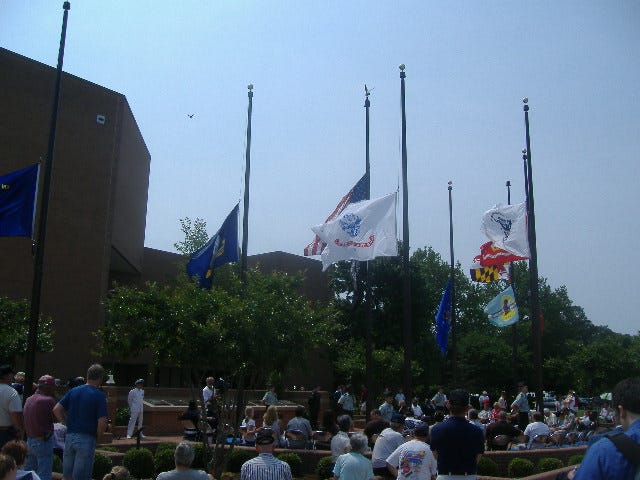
84 410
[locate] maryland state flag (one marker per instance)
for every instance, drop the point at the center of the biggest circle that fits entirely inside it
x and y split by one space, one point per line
487 274
220 249
17 202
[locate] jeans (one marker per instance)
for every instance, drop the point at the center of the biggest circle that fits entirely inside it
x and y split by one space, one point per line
40 457
78 456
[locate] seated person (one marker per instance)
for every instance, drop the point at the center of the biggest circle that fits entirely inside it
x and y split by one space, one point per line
550 418
484 415
535 428
183 458
588 422
416 409
500 427
18 450
472 416
375 425
271 422
300 430
606 414
495 412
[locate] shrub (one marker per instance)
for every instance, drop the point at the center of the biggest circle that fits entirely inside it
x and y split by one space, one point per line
324 468
139 462
521 467
167 446
294 461
57 464
237 458
488 467
548 464
122 417
163 460
107 448
575 459
101 465
199 461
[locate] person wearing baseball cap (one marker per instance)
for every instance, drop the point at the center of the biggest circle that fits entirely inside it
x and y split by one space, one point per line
265 466
136 407
11 423
38 424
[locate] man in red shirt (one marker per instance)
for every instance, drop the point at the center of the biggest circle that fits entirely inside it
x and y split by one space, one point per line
38 424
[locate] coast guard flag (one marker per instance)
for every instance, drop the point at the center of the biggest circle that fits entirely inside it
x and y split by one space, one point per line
502 310
17 202
220 249
363 231
358 193
506 227
443 320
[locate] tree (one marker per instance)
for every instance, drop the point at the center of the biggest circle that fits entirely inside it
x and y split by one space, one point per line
195 235
14 328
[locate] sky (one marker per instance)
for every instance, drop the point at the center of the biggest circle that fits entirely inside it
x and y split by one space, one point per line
468 66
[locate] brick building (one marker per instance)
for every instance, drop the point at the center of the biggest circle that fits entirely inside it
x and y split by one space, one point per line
97 210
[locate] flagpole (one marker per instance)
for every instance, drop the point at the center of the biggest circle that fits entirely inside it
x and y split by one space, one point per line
36 291
514 332
406 278
367 277
453 289
247 173
533 268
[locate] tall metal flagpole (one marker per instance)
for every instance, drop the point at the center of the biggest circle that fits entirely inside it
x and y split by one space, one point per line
533 269
406 274
247 173
452 316
514 332
367 276
36 290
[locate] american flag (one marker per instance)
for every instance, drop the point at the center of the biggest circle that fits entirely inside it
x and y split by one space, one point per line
359 192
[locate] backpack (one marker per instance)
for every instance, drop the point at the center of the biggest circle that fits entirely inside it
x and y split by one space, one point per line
629 448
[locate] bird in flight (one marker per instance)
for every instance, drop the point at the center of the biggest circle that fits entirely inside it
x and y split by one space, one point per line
190 115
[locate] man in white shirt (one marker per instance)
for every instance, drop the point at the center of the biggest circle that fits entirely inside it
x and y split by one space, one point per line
414 458
390 439
209 391
136 406
535 428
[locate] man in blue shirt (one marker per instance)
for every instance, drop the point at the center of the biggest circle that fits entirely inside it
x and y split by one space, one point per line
84 410
603 460
456 443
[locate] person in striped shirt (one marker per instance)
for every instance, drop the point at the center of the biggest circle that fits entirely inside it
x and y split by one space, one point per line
265 466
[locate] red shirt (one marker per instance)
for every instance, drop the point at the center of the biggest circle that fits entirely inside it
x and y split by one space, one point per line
38 415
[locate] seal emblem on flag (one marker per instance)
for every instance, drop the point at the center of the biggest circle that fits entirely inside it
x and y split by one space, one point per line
505 224
350 224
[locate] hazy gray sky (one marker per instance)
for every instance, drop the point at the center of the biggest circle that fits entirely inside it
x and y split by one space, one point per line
468 63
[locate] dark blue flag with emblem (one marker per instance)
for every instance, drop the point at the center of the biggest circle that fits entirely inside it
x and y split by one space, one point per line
17 202
443 317
220 249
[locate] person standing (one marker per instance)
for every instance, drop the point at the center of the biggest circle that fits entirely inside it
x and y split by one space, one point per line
386 409
84 409
522 403
354 465
346 402
270 397
413 459
38 425
209 391
457 444
11 422
314 407
439 400
604 460
265 466
136 407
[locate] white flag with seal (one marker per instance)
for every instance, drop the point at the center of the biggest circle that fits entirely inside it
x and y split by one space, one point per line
362 231
506 227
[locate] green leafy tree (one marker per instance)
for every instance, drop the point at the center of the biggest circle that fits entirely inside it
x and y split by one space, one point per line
14 329
195 235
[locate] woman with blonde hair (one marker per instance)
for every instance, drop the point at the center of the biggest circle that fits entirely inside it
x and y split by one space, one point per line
117 473
248 427
271 421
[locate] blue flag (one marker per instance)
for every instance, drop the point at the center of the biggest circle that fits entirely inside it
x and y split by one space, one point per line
220 249
502 310
17 202
443 317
